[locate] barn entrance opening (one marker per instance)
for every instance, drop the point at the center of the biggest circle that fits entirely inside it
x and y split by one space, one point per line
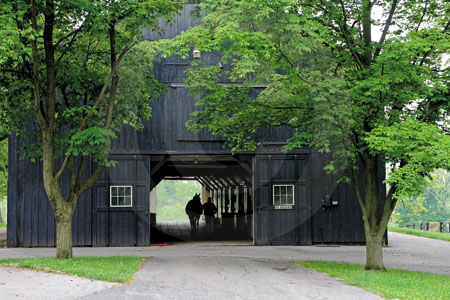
226 179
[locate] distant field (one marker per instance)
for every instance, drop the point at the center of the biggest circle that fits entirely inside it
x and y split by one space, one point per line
171 213
172 197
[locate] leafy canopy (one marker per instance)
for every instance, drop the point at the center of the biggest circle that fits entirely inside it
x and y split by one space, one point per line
81 41
342 88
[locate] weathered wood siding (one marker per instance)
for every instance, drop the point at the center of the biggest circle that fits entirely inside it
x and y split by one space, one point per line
166 132
309 221
123 226
31 222
282 226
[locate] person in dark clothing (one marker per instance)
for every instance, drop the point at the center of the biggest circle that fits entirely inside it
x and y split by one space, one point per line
194 210
209 210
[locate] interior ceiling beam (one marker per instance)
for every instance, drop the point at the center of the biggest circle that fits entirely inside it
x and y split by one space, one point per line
244 165
186 172
158 166
180 178
217 182
205 178
203 183
243 178
197 166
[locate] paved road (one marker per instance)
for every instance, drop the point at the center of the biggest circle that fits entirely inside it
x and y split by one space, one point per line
216 277
24 284
197 271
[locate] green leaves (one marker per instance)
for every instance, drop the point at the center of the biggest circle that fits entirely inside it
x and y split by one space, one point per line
414 149
89 140
82 55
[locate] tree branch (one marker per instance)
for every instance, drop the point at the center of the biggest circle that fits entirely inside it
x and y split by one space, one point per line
80 171
388 209
386 28
358 194
74 33
72 173
294 66
422 17
37 98
97 102
108 119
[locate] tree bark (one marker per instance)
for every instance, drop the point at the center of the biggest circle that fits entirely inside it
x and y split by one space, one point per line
374 225
374 250
64 234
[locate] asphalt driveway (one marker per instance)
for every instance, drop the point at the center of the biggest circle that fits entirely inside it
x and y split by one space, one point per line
215 277
217 271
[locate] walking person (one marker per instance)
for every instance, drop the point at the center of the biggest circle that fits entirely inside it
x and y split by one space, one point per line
209 210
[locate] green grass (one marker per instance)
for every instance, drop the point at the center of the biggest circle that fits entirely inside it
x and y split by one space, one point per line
2 225
422 233
114 268
393 284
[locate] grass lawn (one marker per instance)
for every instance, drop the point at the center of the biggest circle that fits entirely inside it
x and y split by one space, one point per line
433 235
393 284
2 225
114 268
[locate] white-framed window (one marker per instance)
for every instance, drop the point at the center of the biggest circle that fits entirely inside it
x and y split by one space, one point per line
283 194
121 196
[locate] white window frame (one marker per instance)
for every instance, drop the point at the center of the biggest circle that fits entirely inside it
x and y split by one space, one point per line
280 185
111 196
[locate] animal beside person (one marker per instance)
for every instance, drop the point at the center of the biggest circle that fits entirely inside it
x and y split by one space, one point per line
194 210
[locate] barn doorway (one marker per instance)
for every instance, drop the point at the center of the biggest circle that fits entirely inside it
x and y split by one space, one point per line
225 179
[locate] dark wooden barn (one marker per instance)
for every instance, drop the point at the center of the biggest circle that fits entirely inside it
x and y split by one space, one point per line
273 197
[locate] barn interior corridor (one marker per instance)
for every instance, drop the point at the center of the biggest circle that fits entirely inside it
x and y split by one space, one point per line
226 179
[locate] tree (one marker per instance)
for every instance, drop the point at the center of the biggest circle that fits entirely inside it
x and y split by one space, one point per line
366 100
61 60
433 205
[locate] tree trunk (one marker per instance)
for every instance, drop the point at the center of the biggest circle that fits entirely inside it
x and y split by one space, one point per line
63 220
374 251
373 227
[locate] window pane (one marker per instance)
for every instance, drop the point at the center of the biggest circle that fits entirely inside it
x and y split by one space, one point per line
121 191
114 201
290 190
121 201
114 191
128 191
276 200
276 190
283 190
127 201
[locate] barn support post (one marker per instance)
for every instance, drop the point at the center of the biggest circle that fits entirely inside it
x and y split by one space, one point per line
240 217
249 213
